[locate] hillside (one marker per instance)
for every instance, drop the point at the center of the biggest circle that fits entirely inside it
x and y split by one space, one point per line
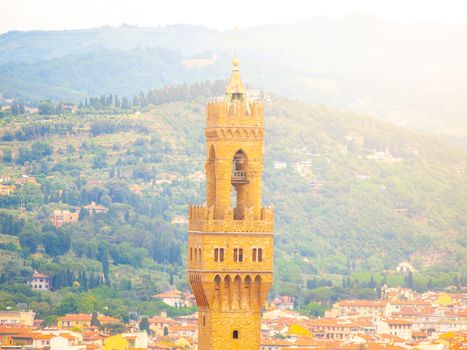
354 197
412 75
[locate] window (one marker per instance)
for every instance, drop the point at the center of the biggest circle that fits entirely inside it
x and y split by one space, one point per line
218 254
199 254
257 254
238 254
235 334
191 254
204 320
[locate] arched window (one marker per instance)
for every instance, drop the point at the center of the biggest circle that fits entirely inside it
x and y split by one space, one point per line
260 254
217 282
235 334
216 254
199 254
191 254
254 255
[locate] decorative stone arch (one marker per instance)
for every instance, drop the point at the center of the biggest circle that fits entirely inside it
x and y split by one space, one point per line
211 177
217 291
247 292
226 296
256 291
237 292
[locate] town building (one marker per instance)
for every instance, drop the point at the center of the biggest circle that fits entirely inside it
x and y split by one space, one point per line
358 308
62 217
126 341
394 327
26 179
17 318
179 220
230 243
40 281
6 190
79 321
176 298
94 208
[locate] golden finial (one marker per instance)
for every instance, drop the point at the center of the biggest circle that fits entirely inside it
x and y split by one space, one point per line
235 90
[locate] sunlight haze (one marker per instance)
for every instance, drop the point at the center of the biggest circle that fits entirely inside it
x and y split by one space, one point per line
72 14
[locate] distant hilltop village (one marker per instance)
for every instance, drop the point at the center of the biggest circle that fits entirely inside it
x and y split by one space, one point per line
403 319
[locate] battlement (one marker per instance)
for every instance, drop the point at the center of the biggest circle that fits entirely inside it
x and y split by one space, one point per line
201 218
235 113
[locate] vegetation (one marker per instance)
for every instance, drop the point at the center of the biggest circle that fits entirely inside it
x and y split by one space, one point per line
342 206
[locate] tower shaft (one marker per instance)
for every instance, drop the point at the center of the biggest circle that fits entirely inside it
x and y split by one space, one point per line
230 239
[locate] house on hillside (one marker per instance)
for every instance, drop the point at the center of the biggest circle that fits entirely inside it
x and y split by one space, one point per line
26 179
40 281
176 298
62 217
6 190
94 208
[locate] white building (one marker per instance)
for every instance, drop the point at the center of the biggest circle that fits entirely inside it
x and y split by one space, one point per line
40 281
397 328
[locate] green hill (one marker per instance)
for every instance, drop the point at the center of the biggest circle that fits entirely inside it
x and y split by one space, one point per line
356 197
359 63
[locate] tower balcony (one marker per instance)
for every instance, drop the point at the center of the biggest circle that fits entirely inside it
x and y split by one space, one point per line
202 219
239 177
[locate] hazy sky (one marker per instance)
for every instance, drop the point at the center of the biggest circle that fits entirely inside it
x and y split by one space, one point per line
71 14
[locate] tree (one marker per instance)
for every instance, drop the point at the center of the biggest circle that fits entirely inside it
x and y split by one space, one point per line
56 242
28 241
46 107
83 213
95 321
171 278
7 156
314 309
99 161
144 324
430 284
105 268
69 305
409 280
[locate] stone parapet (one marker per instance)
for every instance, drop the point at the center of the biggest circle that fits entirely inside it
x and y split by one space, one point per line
201 218
233 114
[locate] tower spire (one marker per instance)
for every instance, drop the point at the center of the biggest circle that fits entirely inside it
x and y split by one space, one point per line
235 90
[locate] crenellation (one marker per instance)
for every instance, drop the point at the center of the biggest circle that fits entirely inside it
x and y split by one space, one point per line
220 114
201 218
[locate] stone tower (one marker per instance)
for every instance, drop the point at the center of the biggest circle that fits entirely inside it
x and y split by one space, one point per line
230 239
